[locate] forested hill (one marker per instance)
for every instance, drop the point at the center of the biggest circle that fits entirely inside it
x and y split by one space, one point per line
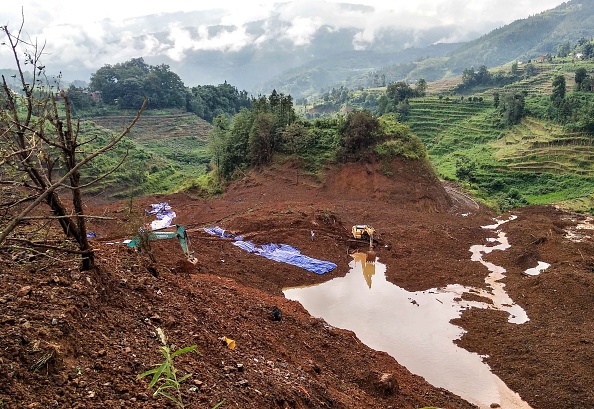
528 38
522 40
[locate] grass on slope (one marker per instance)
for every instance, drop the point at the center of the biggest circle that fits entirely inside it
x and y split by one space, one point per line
531 163
165 152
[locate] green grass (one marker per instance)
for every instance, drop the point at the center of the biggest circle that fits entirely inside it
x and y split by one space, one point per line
534 162
165 151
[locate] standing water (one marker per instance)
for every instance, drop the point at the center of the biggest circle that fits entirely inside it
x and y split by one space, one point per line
414 327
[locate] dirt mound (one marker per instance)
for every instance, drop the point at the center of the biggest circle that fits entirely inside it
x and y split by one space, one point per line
407 184
79 339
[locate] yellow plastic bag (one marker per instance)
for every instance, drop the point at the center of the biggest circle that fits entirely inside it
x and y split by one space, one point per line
230 342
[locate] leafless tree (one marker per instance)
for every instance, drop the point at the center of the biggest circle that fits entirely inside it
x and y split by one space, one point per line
42 153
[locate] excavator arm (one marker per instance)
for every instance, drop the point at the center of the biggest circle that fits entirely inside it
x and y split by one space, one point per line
179 233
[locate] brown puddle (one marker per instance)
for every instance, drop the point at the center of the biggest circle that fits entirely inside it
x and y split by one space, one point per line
414 327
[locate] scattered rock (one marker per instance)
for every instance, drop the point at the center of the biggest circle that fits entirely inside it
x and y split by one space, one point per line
276 314
26 290
387 384
143 397
495 405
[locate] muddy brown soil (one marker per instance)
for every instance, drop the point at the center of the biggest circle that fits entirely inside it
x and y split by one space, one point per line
72 339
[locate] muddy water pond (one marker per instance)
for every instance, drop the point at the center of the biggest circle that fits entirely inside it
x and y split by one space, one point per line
414 327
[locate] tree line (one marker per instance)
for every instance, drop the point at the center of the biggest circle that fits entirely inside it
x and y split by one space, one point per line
125 85
270 127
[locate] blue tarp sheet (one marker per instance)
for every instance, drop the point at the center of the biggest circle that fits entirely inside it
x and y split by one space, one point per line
282 253
218 231
163 213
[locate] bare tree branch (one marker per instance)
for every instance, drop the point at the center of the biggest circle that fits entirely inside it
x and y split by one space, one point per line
57 217
46 246
42 149
10 227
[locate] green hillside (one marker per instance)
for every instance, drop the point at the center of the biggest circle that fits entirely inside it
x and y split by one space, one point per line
523 40
166 151
532 162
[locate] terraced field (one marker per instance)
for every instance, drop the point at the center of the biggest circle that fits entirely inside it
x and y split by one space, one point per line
534 147
446 125
541 162
167 150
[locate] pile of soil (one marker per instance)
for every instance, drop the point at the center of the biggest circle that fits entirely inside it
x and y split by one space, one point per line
78 339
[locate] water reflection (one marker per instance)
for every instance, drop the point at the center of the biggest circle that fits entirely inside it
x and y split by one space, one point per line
414 327
368 268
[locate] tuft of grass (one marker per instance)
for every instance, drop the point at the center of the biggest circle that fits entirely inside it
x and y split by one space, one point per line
164 375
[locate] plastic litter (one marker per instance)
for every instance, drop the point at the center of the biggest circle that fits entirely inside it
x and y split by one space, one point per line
218 231
282 253
229 342
163 213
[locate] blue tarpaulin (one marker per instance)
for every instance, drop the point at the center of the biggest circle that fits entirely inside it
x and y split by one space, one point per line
164 215
282 253
218 231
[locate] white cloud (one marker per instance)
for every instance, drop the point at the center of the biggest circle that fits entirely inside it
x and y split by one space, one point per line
303 29
92 34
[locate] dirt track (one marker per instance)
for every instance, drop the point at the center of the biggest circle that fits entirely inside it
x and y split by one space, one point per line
98 329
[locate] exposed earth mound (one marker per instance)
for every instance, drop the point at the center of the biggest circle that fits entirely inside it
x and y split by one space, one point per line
73 339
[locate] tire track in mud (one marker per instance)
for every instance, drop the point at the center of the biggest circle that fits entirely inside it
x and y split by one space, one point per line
461 201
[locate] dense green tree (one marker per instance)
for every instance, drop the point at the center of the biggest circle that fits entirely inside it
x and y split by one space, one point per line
581 74
80 98
466 170
588 50
514 69
530 70
295 138
164 88
468 76
512 108
399 91
130 93
261 139
209 101
563 50
559 86
125 84
359 131
228 143
105 80
383 104
483 76
240 135
217 145
421 87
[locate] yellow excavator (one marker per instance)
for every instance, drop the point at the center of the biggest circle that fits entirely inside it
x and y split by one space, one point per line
365 232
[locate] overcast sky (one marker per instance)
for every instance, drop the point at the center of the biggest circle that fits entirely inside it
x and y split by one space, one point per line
99 32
